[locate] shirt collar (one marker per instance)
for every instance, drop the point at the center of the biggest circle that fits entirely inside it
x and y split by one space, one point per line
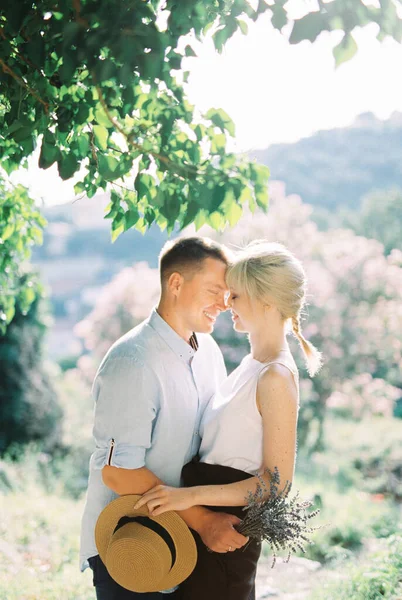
174 341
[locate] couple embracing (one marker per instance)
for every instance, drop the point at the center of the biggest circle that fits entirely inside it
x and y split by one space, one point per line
173 429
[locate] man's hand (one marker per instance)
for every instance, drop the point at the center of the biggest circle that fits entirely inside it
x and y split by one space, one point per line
218 533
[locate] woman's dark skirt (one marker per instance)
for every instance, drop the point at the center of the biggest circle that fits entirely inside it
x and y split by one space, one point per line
229 576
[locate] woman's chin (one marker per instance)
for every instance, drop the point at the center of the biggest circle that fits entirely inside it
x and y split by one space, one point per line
237 327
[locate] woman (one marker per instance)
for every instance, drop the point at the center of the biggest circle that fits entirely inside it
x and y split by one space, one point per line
250 424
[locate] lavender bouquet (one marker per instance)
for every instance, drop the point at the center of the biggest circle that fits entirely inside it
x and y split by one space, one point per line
281 521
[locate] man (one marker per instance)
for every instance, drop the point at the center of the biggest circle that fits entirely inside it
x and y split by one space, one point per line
150 392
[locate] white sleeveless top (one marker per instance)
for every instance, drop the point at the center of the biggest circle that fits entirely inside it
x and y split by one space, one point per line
231 427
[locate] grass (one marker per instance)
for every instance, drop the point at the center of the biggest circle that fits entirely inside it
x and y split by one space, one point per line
39 547
378 578
333 480
41 507
346 519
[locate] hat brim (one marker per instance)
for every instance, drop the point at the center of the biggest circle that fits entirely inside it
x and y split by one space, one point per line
186 550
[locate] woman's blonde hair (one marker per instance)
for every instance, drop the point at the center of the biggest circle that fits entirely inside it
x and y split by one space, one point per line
270 273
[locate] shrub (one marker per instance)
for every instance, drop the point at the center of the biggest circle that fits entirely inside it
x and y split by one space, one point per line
29 410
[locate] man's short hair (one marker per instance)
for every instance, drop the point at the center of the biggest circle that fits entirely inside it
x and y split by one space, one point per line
186 256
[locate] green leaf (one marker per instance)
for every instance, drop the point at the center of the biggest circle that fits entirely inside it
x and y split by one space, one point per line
118 224
70 33
243 26
279 16
216 221
218 197
345 50
67 69
82 114
49 152
117 231
13 128
79 188
83 144
200 219
222 120
101 136
67 165
259 174
233 213
218 143
10 312
261 196
7 231
246 196
159 199
23 133
309 27
27 297
130 218
15 15
175 60
189 51
144 184
190 213
171 208
223 34
35 50
107 166
102 118
199 131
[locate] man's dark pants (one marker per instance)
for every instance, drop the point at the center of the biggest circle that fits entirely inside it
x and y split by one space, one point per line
108 589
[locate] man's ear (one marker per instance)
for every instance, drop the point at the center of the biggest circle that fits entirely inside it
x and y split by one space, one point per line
175 283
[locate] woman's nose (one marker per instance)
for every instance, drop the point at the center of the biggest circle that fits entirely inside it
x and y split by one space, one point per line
222 303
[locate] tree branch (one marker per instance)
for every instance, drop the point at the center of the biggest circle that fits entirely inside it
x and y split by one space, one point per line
185 169
78 18
25 60
9 71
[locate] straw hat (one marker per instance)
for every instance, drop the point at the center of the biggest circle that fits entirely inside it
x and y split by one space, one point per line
144 553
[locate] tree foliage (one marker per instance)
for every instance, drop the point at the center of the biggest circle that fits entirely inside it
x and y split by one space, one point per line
21 226
99 84
380 218
29 410
355 299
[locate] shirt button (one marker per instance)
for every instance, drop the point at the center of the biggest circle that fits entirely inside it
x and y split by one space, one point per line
196 433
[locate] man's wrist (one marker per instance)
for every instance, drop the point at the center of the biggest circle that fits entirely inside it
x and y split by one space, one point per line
203 520
196 517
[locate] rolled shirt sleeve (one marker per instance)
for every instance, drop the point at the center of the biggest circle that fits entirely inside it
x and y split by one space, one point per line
127 395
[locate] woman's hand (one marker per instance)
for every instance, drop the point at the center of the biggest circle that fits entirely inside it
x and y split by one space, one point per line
163 498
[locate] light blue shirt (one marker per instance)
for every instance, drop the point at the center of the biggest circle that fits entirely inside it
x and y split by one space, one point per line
150 393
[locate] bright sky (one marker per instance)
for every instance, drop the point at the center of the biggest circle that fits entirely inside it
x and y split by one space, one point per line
276 92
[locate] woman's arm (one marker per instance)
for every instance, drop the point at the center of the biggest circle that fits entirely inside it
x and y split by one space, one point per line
216 529
277 400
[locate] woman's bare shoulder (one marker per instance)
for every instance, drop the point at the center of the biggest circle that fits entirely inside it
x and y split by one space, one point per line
277 384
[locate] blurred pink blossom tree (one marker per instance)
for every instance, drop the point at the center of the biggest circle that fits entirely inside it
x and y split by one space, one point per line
354 313
123 303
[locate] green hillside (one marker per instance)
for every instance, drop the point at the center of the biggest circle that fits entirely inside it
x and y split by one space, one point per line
338 167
